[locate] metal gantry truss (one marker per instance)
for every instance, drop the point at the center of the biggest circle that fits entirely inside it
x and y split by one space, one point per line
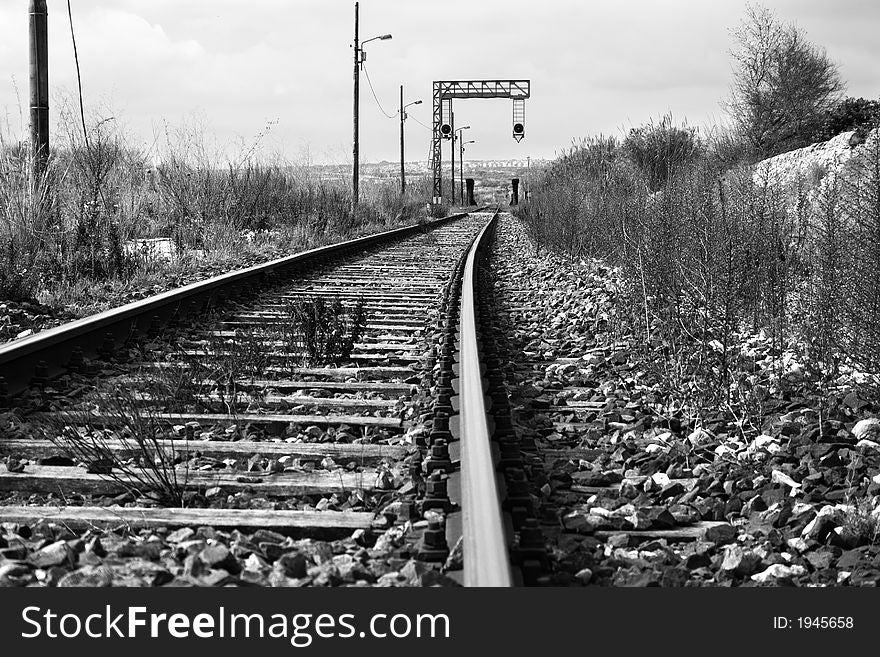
446 90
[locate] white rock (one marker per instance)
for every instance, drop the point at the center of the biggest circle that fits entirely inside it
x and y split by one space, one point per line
868 444
699 436
721 450
779 477
868 428
777 571
584 575
836 510
764 441
797 544
661 479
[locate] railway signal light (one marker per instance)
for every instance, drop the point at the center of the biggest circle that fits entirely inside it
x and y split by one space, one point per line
443 125
519 119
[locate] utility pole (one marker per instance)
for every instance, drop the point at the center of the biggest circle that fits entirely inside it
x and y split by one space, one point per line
452 156
528 175
461 144
359 57
357 89
460 169
456 135
39 86
402 112
402 172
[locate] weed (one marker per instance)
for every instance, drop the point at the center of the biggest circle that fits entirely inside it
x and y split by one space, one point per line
72 229
325 332
861 522
707 260
120 439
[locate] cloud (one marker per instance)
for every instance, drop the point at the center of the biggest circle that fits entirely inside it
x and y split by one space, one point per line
595 66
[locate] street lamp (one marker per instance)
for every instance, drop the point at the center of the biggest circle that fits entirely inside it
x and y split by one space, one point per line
455 136
528 175
402 113
461 146
359 57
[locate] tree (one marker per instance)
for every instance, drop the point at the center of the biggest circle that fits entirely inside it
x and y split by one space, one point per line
783 85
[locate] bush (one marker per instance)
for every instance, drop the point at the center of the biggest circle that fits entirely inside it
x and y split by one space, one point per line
73 228
860 294
856 114
438 210
660 149
707 261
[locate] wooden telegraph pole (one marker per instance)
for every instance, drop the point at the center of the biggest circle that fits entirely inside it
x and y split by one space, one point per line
357 89
39 86
402 172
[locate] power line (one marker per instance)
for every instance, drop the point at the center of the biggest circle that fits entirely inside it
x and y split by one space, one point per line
82 113
409 116
370 83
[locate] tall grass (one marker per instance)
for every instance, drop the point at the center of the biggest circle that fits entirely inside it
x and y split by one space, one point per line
712 257
71 228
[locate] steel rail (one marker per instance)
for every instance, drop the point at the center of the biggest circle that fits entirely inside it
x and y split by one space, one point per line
485 554
46 354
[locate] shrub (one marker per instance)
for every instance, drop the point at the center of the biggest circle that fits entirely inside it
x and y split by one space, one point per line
860 205
660 149
850 113
325 331
72 229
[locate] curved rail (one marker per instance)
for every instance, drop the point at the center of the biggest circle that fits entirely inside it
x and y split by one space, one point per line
486 560
46 354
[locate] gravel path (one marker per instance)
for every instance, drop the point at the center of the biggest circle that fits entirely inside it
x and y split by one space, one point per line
632 495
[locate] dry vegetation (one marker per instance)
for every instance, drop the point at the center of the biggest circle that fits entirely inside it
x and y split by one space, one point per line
739 286
712 259
65 241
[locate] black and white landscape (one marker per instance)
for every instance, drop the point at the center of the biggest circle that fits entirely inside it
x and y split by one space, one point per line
569 294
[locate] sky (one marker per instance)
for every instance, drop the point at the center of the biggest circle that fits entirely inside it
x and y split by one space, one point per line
279 72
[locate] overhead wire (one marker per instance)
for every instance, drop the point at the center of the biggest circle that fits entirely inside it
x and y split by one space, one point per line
382 109
375 97
417 121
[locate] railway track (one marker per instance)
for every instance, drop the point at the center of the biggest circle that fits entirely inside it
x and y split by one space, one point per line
202 408
481 430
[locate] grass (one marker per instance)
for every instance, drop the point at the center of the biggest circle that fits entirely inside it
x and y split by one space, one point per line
143 466
64 237
712 257
861 522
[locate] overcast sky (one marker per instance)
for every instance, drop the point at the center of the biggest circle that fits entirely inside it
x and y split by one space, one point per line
236 66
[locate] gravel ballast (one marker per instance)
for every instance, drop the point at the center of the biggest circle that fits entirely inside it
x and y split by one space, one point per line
634 494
